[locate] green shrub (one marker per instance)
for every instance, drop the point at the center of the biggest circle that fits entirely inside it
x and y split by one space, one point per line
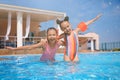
116 49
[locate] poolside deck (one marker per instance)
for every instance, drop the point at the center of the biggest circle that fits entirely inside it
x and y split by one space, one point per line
33 51
10 52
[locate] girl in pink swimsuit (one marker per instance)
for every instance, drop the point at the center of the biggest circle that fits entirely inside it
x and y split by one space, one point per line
50 45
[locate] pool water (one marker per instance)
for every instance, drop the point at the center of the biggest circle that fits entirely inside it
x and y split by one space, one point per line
93 66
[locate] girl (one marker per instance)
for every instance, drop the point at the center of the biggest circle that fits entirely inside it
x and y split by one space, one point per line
49 46
71 37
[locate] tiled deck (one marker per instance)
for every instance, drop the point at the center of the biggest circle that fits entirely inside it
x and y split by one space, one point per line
33 51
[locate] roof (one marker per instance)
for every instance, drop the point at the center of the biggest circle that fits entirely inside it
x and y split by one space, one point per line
36 14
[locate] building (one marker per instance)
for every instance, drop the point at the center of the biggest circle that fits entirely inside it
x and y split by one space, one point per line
89 41
17 22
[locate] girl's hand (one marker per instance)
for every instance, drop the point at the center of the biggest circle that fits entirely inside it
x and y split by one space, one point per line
99 15
10 48
43 40
93 20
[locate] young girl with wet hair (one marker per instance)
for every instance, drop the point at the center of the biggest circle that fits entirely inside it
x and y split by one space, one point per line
49 46
71 37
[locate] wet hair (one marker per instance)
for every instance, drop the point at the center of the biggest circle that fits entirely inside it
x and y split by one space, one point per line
52 28
60 21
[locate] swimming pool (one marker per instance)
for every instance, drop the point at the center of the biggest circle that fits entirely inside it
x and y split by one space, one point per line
94 66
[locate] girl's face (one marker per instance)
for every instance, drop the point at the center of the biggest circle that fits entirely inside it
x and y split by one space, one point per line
66 27
52 36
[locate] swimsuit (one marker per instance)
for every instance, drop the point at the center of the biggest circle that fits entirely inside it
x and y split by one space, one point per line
49 53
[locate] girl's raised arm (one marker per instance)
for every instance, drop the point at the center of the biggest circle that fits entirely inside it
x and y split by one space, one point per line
83 25
93 20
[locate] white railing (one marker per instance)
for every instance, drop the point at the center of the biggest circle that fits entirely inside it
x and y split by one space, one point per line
13 41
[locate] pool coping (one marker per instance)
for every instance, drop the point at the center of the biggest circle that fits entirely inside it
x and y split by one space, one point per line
62 53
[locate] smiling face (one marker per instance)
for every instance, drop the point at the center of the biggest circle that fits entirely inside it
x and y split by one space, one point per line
66 27
52 35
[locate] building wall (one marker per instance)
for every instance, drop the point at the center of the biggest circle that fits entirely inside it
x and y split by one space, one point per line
84 46
95 37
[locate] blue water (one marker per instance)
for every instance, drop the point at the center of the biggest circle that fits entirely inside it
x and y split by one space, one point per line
94 66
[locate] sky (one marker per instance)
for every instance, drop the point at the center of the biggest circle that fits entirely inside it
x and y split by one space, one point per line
107 27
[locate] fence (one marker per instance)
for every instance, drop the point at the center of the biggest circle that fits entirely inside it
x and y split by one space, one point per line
13 41
108 46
